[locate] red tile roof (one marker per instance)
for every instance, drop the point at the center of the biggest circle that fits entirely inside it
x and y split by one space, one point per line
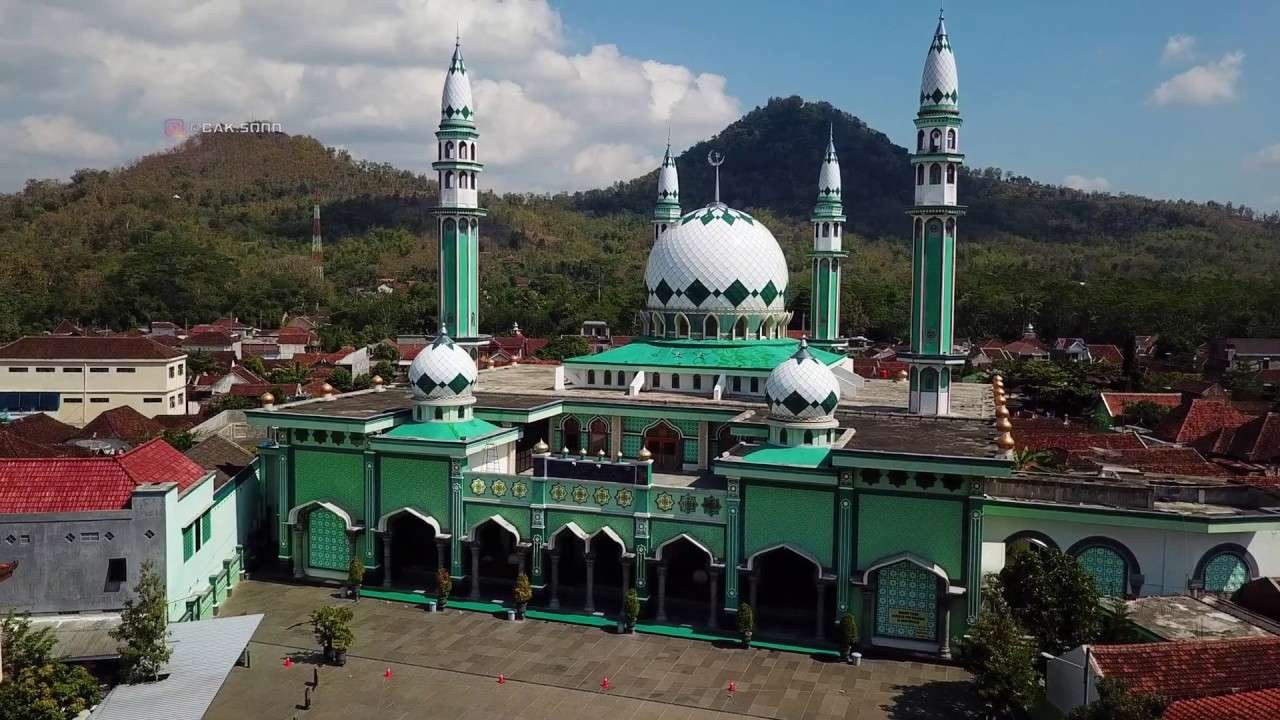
250 390
121 423
1201 668
42 429
1256 705
1052 434
216 338
1200 421
1256 441
56 347
1106 353
1117 402
94 483
1163 459
14 446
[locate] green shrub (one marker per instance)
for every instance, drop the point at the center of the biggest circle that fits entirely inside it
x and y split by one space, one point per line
746 619
848 630
355 571
631 606
444 583
332 627
523 593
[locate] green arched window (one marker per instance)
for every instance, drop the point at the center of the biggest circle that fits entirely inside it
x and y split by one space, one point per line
1109 570
1225 572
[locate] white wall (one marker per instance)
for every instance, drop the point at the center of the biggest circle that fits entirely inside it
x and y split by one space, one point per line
1065 681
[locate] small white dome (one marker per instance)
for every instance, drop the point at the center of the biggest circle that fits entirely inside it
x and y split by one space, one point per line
802 388
940 83
716 259
456 102
442 371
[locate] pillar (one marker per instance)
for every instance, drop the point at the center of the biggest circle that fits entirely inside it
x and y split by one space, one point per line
820 620
713 613
944 622
753 587
475 569
442 553
521 553
386 559
662 592
626 584
554 604
297 549
590 558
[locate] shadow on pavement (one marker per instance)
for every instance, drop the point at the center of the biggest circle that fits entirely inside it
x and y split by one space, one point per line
939 700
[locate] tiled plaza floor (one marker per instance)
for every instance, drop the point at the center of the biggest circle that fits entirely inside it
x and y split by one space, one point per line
444 666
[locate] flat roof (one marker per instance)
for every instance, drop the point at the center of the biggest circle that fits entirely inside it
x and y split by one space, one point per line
748 354
1182 617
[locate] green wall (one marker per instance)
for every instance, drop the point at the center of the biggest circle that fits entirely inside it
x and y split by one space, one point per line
476 513
417 483
712 536
801 518
335 476
591 522
892 524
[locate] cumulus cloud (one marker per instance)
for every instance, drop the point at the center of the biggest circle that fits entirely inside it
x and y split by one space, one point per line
99 79
1087 184
1208 84
1178 48
1266 157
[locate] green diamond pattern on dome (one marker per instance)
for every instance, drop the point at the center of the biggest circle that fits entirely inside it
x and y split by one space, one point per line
663 291
937 96
795 403
737 293
829 404
697 292
707 217
459 383
728 218
768 293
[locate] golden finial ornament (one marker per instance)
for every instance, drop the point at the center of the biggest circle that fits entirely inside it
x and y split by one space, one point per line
1005 441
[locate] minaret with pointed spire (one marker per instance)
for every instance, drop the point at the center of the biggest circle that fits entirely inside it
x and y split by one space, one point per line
936 164
458 212
667 210
828 251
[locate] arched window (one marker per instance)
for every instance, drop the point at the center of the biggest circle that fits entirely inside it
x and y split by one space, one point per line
462 151
935 140
951 173
951 139
571 430
608 377
591 377
935 174
473 151
740 328
657 380
439 413
808 437
711 328
682 326
598 437
1109 570
448 179
675 381
473 181
440 150
697 382
448 149
782 436
951 227
826 229
919 174
919 141
622 377
1225 568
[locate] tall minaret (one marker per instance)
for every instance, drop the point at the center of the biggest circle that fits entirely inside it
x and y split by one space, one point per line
317 250
667 210
936 163
828 251
458 212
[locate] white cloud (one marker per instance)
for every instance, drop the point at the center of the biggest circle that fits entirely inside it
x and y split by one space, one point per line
362 74
1207 84
1178 48
1087 184
1266 157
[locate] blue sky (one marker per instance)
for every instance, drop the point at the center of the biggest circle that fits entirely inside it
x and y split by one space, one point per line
1049 89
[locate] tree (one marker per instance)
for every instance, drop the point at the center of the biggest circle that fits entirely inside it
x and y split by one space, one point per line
199 362
1052 596
387 351
1001 659
293 374
45 689
255 365
230 402
1115 702
179 439
564 346
1145 414
143 631
341 379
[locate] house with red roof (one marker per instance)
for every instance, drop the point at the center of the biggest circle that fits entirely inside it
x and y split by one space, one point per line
1219 679
80 529
1115 404
215 341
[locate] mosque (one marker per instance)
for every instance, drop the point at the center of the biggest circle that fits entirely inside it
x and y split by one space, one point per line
714 461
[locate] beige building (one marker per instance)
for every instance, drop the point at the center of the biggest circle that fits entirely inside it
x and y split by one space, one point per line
76 378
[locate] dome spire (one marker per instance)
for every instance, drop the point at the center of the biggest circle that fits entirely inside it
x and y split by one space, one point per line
828 252
667 209
716 159
456 106
940 83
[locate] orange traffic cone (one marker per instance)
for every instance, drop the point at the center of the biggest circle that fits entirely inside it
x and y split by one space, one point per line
502 679
733 686
288 662
387 673
604 684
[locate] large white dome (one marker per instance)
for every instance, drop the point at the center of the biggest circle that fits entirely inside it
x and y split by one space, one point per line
716 259
442 371
802 388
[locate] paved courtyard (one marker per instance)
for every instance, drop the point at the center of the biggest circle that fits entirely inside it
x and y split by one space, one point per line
445 666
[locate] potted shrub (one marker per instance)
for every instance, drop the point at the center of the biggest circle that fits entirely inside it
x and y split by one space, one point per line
746 623
631 609
848 636
444 586
332 628
355 577
522 594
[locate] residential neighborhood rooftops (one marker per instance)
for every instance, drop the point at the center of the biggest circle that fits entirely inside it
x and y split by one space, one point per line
1182 617
1117 403
1192 669
220 455
1254 705
42 429
121 423
73 347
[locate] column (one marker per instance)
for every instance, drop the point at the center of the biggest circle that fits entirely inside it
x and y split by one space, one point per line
820 620
386 559
753 587
869 610
973 559
590 607
442 553
713 613
554 604
944 622
662 592
475 569
846 546
297 549
521 554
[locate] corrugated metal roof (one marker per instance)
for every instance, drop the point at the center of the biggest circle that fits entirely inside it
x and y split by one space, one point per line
83 636
203 654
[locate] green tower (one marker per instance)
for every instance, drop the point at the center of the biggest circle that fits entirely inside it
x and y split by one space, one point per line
458 212
828 251
936 163
667 210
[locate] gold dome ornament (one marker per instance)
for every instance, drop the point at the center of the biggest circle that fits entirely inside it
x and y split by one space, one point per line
997 378
900 376
1002 411
1005 441
541 448
600 453
327 389
645 454
1003 424
999 399
267 399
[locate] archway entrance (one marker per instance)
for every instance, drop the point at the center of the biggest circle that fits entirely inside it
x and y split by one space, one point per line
414 554
496 559
607 575
667 446
567 563
688 586
906 599
571 434
598 437
328 546
784 588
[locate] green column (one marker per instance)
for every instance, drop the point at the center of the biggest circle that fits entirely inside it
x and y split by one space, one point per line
284 500
846 548
457 521
538 524
732 546
973 556
372 511
449 274
642 558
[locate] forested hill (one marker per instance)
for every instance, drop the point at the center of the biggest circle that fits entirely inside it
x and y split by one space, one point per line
221 225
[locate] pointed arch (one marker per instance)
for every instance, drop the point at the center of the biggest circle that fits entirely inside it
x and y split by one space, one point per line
657 551
740 328
429 520
935 174
931 567
951 173
919 140
920 174
951 139
462 151
498 520
448 179
613 535
307 507
682 325
448 149
710 328
751 560
658 327
935 140
598 435
574 528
